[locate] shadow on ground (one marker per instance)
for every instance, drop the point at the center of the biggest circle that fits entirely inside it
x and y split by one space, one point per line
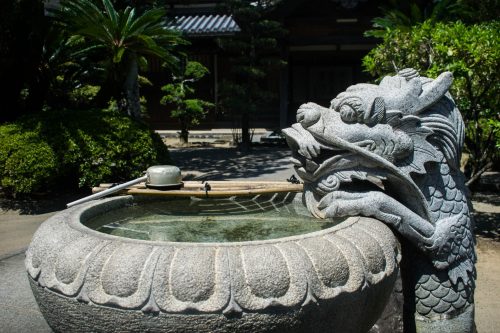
229 163
42 204
492 198
487 220
488 225
200 163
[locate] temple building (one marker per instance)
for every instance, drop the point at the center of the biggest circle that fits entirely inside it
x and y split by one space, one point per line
323 50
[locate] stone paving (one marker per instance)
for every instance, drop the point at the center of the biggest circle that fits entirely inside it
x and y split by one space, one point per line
19 312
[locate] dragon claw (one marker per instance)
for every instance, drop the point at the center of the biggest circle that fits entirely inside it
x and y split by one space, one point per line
342 203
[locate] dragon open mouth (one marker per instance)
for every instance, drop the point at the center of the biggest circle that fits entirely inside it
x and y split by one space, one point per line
327 156
316 160
311 156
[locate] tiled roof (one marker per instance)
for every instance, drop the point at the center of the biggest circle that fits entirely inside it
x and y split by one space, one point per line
205 25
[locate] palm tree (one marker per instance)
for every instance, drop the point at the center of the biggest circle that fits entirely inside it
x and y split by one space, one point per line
403 15
119 41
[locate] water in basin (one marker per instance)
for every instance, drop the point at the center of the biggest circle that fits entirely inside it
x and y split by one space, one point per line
211 220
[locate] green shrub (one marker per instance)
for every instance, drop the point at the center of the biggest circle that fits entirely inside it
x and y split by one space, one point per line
68 149
472 54
26 163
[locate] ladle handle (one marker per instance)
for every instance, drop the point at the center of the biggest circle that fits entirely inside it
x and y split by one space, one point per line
108 191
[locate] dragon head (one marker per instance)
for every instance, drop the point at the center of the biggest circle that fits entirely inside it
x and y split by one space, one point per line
384 134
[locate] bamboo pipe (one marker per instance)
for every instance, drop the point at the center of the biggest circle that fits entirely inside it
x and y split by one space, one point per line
227 187
211 193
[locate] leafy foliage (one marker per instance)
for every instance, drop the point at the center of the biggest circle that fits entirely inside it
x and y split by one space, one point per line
119 41
189 111
26 162
481 11
66 149
402 15
254 52
472 54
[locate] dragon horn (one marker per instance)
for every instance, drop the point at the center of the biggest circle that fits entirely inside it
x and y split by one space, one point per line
432 92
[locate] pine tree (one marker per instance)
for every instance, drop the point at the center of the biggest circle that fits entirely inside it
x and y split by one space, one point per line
189 111
253 52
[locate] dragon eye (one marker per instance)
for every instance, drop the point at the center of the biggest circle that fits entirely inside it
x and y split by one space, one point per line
348 114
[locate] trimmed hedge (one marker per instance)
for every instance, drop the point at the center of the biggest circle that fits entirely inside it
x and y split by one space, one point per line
56 150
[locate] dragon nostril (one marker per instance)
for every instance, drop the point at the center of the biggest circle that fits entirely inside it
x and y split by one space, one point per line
308 115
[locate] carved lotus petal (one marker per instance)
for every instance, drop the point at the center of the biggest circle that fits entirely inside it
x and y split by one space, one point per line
357 258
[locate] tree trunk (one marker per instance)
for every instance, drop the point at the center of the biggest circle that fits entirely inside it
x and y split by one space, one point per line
476 175
39 88
245 132
184 135
131 88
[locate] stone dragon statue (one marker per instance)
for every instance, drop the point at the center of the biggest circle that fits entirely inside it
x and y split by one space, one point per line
392 151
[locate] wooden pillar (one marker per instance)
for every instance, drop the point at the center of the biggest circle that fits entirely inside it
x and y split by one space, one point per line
216 80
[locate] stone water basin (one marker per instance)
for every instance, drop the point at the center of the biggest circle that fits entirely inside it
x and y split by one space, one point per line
241 264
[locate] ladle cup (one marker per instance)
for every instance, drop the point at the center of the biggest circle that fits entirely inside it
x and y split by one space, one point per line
157 177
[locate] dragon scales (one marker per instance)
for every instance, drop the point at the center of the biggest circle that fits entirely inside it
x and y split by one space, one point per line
392 151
